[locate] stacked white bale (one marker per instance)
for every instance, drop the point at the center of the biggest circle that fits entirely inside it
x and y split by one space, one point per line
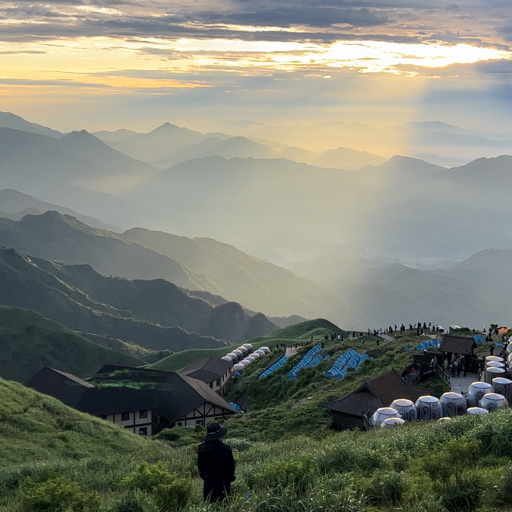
493 402
429 408
382 414
476 391
405 408
503 386
492 373
453 404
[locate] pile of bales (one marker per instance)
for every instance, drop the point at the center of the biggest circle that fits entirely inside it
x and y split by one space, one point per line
244 355
274 367
482 398
312 358
349 359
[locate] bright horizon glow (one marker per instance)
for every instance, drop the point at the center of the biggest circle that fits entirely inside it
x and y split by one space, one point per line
189 60
98 60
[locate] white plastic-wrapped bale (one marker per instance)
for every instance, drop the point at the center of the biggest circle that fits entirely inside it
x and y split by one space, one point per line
265 349
227 358
494 364
493 402
428 408
405 408
509 346
497 359
251 358
477 410
260 352
244 350
239 367
245 362
476 391
503 386
491 373
391 422
453 404
233 357
239 354
255 355
383 413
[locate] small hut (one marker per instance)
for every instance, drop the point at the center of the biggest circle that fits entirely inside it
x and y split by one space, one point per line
464 345
350 411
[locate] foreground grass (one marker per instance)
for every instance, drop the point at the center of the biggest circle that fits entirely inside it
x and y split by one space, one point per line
463 464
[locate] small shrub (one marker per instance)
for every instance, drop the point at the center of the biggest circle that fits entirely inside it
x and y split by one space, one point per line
175 495
503 496
465 493
57 494
279 474
134 501
383 488
148 476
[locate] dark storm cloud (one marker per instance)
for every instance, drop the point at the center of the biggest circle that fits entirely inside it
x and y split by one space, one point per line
308 16
313 20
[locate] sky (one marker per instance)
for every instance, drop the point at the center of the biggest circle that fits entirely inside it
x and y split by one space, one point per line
108 64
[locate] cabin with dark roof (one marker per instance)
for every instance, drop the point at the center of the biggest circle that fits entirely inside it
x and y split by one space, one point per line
349 411
141 400
464 345
213 371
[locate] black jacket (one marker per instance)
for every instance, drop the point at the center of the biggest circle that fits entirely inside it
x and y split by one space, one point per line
215 462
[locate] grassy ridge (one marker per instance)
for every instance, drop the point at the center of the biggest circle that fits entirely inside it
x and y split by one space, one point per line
293 334
29 341
282 408
54 458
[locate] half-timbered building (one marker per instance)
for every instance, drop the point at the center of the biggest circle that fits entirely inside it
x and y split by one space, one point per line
141 400
213 371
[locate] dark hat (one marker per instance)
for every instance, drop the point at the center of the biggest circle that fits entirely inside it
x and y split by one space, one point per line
214 431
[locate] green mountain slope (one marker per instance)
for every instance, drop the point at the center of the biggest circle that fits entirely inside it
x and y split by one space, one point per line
14 202
29 341
152 314
54 236
255 283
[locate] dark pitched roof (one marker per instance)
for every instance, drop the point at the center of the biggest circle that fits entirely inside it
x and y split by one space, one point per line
116 389
206 369
375 393
457 344
64 386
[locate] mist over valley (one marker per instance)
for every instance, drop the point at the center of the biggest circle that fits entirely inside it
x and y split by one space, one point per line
313 220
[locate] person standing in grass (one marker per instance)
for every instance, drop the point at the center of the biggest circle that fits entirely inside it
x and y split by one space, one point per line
216 464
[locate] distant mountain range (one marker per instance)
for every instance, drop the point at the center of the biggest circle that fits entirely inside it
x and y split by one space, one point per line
404 208
77 158
153 314
404 211
211 266
168 145
15 205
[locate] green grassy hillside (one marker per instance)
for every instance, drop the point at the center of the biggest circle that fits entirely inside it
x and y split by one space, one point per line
155 314
28 342
279 407
55 459
294 334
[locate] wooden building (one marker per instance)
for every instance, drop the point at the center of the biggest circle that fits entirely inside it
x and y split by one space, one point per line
141 400
213 371
349 411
